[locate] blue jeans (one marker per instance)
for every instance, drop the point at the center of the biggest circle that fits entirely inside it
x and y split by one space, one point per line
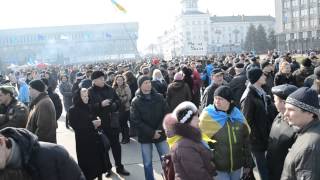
223 175
146 149
260 160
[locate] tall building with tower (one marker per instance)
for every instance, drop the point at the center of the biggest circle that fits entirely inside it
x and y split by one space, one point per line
197 33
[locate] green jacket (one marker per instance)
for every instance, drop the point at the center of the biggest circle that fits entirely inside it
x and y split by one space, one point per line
231 151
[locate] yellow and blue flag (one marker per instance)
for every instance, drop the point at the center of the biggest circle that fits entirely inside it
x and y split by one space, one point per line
120 7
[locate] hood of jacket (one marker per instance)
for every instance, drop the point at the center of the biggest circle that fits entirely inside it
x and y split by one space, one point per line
177 84
27 142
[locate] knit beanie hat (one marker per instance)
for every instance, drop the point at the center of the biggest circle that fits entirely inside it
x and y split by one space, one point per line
284 90
37 85
254 75
264 64
306 62
96 75
185 111
85 83
178 76
224 92
143 78
305 98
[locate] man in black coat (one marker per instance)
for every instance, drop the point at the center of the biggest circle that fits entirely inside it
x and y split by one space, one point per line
147 111
20 149
216 81
105 101
238 83
282 136
254 105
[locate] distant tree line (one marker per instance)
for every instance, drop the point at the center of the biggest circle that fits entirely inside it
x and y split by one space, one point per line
258 40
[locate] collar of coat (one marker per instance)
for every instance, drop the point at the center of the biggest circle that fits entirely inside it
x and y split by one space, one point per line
315 122
37 99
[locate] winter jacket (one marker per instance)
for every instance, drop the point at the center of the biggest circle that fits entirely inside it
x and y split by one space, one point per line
89 147
281 138
124 94
196 88
160 87
178 92
283 79
302 161
24 93
190 156
65 89
231 131
146 114
301 74
99 94
14 115
56 102
258 116
207 97
42 119
43 160
238 86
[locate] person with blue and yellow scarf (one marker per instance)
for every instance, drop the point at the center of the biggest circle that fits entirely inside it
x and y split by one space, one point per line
225 123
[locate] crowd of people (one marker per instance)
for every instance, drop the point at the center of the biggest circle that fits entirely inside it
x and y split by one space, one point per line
217 118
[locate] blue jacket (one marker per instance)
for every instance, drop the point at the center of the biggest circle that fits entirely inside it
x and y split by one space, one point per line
24 93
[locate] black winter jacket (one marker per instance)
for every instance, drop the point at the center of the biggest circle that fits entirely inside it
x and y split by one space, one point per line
43 160
96 96
281 138
238 86
253 108
147 116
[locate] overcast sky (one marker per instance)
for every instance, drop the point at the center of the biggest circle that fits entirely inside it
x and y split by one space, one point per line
153 16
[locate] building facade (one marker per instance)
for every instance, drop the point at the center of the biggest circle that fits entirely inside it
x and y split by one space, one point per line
69 44
196 33
298 25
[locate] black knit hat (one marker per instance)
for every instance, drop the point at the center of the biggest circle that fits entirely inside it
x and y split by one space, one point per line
284 90
239 65
264 64
37 85
224 92
96 75
306 62
85 83
254 75
305 98
142 79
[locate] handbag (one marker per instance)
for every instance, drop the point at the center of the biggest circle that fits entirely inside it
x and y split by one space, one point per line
167 167
115 119
105 141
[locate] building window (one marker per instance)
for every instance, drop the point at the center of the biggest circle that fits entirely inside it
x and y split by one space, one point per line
313 11
286 4
304 23
304 12
295 14
295 3
314 22
304 2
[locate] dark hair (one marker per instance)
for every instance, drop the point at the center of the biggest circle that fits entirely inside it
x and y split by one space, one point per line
130 77
64 75
6 91
76 99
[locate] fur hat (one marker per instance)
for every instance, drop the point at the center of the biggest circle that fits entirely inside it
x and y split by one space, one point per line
185 111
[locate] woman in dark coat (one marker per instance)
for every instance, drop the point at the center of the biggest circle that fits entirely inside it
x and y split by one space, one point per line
89 147
284 76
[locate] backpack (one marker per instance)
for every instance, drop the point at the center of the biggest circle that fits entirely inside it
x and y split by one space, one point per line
167 167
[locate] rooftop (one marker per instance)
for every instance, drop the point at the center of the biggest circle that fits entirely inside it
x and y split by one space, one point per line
241 18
